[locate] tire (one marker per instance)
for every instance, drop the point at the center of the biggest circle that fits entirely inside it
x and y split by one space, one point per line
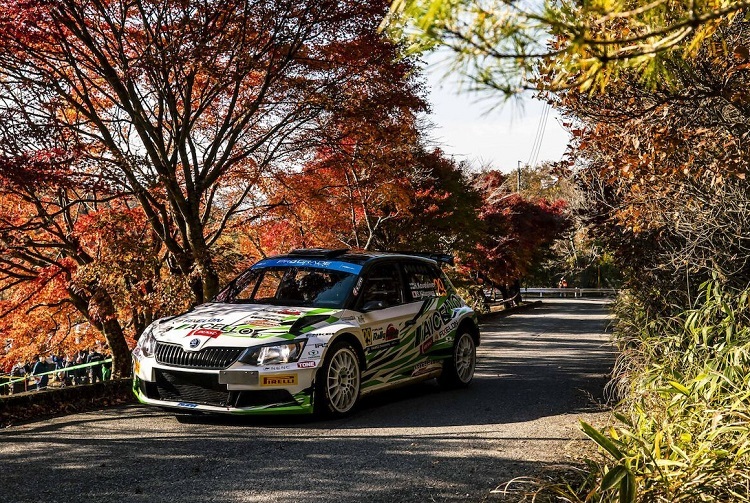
458 370
339 381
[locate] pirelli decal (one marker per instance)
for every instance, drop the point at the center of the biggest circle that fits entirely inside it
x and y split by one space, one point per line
279 380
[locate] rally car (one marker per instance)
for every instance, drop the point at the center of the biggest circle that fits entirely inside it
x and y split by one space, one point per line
310 331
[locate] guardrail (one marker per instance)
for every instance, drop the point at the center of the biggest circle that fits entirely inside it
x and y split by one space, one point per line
571 292
509 300
27 377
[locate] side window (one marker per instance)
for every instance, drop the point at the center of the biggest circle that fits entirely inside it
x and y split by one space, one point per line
422 282
383 284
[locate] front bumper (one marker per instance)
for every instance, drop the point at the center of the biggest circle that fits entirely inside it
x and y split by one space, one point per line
245 390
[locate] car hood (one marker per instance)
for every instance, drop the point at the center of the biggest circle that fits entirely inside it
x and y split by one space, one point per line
236 325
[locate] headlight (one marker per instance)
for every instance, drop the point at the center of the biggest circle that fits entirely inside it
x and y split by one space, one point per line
270 355
147 342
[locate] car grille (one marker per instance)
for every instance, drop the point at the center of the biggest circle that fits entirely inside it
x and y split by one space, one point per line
209 358
205 389
193 388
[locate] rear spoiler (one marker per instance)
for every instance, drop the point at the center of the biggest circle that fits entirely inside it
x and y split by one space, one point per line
437 257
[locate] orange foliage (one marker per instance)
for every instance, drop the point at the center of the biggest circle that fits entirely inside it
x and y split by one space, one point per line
63 263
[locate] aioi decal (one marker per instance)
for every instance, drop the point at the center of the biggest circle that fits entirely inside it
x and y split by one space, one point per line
437 325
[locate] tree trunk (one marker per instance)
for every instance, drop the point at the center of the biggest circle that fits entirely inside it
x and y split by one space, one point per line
206 285
99 310
106 321
121 360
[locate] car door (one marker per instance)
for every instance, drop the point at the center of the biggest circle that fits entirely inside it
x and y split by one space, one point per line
428 329
384 322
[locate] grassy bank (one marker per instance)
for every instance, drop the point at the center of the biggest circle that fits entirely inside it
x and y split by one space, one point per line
683 422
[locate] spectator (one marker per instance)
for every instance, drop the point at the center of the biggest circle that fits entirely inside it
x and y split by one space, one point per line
69 375
107 366
59 362
80 375
18 371
95 371
41 367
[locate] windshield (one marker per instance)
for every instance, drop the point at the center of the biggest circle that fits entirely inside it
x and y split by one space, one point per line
290 286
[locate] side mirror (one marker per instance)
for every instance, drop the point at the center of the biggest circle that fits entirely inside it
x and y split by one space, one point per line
374 305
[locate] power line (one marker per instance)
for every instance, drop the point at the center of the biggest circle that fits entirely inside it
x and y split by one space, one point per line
539 137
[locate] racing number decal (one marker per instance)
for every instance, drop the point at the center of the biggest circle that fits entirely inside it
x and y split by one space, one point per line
440 287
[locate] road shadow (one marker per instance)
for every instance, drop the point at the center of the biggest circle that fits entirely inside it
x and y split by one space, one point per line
415 444
199 463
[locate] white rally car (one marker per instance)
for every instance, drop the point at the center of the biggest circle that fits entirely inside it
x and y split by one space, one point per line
310 331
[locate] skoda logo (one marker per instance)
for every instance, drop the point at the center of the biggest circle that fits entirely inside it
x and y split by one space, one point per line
194 343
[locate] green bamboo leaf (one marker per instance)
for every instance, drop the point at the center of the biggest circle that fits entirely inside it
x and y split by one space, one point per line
680 388
628 489
613 477
680 452
669 462
601 440
691 320
623 419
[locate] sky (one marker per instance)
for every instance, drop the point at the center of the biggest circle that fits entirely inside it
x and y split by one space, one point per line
466 130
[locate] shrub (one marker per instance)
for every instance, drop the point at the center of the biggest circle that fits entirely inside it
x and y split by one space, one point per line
683 431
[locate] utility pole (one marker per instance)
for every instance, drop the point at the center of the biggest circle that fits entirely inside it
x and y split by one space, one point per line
518 178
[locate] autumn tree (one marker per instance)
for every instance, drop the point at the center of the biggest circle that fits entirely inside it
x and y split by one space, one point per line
184 105
40 255
356 182
576 254
171 116
506 47
78 266
372 183
444 210
665 170
416 200
517 231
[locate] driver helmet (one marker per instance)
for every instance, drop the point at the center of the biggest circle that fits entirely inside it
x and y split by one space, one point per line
311 285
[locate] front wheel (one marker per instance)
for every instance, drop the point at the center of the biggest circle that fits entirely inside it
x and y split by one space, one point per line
338 381
458 370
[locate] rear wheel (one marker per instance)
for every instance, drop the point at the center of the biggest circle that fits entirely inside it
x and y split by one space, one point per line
458 370
338 381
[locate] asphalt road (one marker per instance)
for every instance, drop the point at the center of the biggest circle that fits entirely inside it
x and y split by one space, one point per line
538 373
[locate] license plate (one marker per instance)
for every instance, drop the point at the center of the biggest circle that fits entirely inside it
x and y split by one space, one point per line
238 377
